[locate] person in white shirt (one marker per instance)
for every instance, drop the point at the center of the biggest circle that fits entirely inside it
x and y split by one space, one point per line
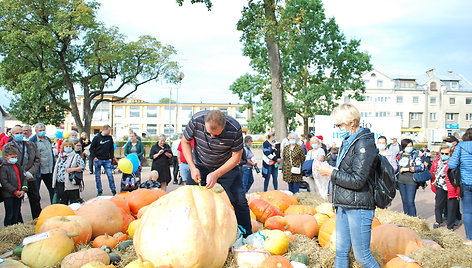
175 162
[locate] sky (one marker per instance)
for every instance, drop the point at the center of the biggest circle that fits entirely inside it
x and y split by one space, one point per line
402 37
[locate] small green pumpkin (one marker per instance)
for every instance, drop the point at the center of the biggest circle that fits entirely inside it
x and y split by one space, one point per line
299 257
125 244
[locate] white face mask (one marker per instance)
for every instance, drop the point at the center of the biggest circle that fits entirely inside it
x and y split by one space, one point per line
381 147
292 141
315 146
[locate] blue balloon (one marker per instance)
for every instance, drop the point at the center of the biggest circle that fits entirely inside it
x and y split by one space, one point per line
135 161
114 146
59 134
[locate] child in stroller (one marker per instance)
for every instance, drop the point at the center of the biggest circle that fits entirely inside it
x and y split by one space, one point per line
152 183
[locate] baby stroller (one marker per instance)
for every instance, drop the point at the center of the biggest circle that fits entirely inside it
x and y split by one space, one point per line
130 187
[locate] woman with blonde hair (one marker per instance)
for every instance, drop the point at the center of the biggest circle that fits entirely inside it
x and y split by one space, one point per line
160 155
352 193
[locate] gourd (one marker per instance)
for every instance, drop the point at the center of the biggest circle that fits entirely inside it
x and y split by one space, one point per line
80 258
139 263
276 242
264 210
52 211
276 223
70 224
300 209
299 257
121 203
105 240
302 224
400 262
276 262
49 251
325 208
142 197
278 199
189 227
104 216
132 227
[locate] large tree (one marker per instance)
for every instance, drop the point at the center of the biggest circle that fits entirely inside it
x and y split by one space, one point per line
318 63
59 49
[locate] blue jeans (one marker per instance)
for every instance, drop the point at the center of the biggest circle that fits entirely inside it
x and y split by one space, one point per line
107 165
271 170
185 172
248 178
408 193
467 210
294 187
353 229
232 183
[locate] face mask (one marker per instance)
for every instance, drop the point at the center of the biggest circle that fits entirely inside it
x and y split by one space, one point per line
292 141
449 144
68 150
18 137
408 150
381 147
343 133
78 150
73 139
13 160
42 133
445 157
315 146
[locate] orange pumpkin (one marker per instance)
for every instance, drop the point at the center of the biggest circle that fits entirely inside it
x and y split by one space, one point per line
299 209
327 233
253 216
391 239
326 208
53 211
140 198
256 226
263 210
276 223
105 240
402 262
121 203
278 199
302 224
252 196
120 237
127 219
321 218
276 262
123 194
375 222
70 224
104 216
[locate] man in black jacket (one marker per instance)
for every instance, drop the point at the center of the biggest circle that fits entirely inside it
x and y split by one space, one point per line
102 153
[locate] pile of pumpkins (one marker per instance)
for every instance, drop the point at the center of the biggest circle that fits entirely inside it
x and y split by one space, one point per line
104 222
278 216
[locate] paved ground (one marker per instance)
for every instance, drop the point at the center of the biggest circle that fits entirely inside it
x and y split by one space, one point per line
424 198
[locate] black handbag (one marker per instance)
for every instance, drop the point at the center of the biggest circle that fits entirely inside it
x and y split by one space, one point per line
454 174
422 176
76 178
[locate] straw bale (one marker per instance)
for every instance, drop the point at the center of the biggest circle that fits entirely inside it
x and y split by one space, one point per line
309 199
392 217
433 258
12 236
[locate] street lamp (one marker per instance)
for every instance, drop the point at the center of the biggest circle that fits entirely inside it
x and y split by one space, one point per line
181 77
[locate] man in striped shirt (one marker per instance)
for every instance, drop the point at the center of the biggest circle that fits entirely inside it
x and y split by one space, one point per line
215 158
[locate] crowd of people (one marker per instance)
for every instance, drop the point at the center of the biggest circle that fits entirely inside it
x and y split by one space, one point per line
213 150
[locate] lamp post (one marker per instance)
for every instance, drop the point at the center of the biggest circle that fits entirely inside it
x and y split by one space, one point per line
180 77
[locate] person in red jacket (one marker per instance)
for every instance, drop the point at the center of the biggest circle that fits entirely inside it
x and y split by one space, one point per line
4 138
446 194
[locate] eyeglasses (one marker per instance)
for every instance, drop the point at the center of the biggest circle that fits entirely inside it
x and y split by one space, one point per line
338 125
444 153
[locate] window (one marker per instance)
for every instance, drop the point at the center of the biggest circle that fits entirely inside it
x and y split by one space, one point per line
373 75
432 100
240 115
399 99
382 114
414 116
169 108
224 110
366 81
151 129
416 99
432 117
407 83
186 113
452 100
433 86
134 111
468 117
168 129
135 128
151 111
382 99
399 114
183 128
454 85
119 111
367 99
366 114
379 83
449 117
346 99
468 101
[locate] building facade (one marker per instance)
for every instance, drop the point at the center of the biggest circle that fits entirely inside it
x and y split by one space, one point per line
431 105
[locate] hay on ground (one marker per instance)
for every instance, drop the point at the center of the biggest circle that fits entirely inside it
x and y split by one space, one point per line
12 236
421 226
432 258
309 199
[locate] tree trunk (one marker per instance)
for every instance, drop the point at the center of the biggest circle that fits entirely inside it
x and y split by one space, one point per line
278 102
305 125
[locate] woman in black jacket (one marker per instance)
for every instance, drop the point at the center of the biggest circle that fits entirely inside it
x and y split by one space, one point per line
352 181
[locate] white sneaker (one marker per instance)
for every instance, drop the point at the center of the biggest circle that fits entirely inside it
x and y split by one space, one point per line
468 243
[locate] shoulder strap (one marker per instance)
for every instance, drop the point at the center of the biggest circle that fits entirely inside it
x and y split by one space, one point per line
72 161
23 152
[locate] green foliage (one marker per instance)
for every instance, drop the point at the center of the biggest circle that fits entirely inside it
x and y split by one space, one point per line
207 3
318 63
31 108
166 100
50 48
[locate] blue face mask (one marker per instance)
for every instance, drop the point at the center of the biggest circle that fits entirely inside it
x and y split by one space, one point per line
73 139
42 133
408 150
68 150
449 144
343 133
292 141
315 146
381 147
13 160
445 157
18 137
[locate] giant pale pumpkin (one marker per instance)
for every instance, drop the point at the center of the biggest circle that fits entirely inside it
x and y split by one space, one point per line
49 251
302 224
300 209
70 224
391 239
402 262
278 199
104 216
53 211
264 210
142 197
189 227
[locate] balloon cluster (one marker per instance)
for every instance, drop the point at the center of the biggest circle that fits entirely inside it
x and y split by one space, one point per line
130 164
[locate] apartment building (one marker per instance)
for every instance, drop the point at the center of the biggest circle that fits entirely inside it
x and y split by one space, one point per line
431 105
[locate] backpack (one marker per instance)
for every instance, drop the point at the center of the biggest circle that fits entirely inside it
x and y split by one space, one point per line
384 184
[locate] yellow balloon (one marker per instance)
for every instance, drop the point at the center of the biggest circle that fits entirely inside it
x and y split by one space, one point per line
66 135
125 165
